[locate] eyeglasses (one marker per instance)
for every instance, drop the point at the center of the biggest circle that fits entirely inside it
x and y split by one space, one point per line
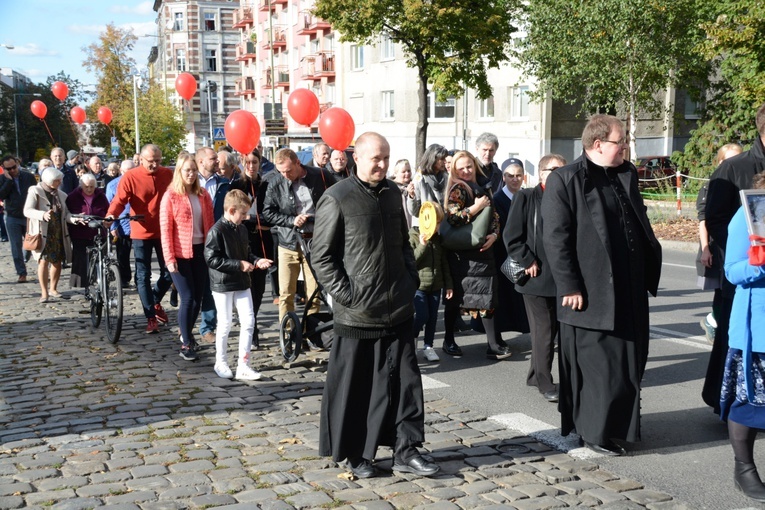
620 141
14 167
512 176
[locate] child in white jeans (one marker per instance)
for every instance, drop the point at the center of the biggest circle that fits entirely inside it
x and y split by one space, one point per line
228 256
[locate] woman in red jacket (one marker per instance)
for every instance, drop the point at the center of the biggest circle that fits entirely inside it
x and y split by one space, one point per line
185 216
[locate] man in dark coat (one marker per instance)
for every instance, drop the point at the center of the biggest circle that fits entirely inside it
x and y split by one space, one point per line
362 256
604 259
723 200
14 185
486 146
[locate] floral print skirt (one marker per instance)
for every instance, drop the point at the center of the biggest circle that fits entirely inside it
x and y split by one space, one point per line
53 251
734 401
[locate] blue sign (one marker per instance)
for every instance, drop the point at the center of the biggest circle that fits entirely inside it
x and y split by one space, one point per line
115 151
219 134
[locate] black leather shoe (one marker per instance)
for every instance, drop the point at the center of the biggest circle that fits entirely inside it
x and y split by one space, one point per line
551 396
417 465
610 449
363 469
452 349
748 481
501 352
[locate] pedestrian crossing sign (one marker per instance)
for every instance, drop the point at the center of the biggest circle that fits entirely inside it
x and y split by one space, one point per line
219 134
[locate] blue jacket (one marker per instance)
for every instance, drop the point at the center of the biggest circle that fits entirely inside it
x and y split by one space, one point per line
221 189
122 226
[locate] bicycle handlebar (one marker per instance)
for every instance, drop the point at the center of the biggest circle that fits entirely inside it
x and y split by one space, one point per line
89 217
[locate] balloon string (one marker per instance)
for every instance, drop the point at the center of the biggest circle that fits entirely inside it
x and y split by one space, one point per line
49 133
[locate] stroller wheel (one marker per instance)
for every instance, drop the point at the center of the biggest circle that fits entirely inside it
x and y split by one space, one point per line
290 336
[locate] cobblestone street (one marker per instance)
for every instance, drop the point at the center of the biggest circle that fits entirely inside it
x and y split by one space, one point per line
85 424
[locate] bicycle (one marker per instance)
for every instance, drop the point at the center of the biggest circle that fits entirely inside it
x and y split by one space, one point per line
103 282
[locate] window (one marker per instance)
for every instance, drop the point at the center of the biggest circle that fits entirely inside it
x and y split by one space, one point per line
211 60
441 109
519 102
178 21
692 108
387 50
330 93
214 100
357 57
180 59
486 108
209 21
388 110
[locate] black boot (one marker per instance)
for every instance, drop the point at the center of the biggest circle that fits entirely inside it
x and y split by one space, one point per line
748 481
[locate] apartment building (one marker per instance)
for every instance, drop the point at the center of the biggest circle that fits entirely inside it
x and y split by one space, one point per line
197 36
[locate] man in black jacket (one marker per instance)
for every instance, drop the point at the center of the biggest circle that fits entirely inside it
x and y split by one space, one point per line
733 175
14 184
290 207
361 254
604 259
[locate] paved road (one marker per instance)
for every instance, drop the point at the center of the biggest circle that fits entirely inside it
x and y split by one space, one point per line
85 424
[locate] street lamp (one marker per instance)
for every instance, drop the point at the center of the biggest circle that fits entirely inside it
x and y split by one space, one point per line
136 84
15 113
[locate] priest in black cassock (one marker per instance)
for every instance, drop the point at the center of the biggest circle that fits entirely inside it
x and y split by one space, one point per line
604 259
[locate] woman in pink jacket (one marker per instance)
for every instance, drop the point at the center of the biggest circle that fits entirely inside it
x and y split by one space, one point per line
185 216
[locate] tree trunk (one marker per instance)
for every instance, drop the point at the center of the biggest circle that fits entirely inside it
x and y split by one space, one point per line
632 121
421 134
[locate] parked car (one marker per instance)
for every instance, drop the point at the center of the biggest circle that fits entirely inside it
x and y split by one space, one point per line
655 167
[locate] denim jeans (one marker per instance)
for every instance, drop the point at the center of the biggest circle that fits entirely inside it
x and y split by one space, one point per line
17 229
142 249
426 313
192 281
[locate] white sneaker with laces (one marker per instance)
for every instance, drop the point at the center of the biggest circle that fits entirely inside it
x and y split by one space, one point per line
430 354
223 371
245 373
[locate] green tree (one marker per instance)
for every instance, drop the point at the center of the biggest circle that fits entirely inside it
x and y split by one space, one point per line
611 55
159 121
451 43
735 42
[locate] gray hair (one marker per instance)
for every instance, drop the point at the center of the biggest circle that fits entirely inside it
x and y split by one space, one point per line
126 165
51 175
231 160
45 163
87 179
489 138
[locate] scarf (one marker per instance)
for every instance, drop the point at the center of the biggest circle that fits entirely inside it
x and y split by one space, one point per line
55 203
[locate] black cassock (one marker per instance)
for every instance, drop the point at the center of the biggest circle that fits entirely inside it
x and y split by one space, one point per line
373 396
600 371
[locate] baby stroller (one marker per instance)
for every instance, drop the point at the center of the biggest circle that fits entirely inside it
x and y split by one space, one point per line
313 331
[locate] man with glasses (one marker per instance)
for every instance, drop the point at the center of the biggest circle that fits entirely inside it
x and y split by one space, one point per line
604 259
14 185
216 186
143 188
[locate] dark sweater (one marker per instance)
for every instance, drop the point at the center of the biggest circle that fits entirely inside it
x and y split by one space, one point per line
432 264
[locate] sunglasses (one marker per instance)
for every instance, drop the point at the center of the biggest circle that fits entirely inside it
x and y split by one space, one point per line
14 167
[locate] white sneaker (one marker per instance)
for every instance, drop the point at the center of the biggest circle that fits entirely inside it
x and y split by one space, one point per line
245 373
430 354
223 371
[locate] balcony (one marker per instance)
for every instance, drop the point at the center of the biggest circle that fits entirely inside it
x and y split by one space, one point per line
264 4
245 51
308 24
282 77
245 87
243 17
318 66
323 107
280 38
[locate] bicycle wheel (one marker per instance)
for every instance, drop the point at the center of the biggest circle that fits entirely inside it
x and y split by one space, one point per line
290 336
113 303
94 292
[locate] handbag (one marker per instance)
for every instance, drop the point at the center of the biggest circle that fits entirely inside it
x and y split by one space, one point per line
513 269
32 242
468 236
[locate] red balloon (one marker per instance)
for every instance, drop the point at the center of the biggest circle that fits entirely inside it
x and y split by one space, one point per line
105 114
60 90
186 85
303 106
39 109
78 115
242 131
337 128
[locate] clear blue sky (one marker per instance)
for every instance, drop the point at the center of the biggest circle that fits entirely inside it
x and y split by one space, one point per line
48 35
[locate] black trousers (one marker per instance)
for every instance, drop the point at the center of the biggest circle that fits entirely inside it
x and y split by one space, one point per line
122 247
543 322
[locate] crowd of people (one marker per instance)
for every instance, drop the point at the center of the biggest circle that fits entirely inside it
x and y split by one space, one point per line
390 245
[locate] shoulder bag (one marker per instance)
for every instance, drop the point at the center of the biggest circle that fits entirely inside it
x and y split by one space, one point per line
468 236
513 269
32 242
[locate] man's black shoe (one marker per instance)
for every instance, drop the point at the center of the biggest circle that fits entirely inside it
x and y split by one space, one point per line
363 468
452 349
500 353
417 465
551 396
611 449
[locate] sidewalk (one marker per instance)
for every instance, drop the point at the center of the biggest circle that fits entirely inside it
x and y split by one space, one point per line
85 424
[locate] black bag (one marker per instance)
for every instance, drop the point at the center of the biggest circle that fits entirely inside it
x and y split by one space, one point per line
512 269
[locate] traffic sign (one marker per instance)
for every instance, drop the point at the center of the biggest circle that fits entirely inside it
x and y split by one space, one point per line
219 134
115 151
